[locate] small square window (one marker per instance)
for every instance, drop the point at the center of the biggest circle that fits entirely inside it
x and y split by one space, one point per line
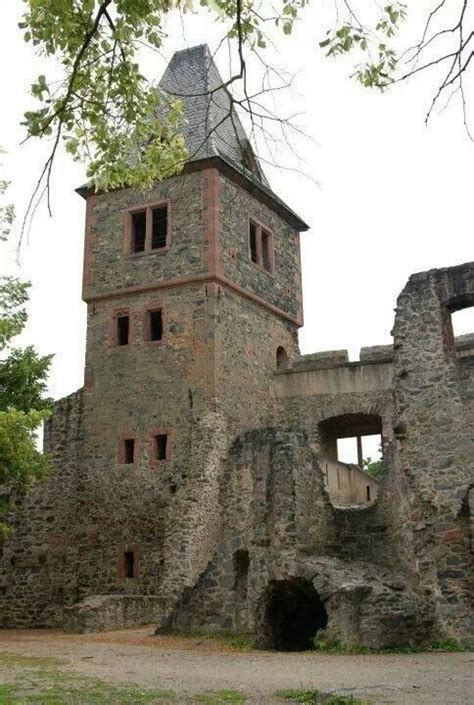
159 231
161 446
138 231
155 325
129 451
253 242
123 329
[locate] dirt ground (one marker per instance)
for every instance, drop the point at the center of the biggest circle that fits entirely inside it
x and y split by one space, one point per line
193 664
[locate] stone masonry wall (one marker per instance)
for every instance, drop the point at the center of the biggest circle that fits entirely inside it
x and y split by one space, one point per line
278 527
435 452
282 287
108 268
39 562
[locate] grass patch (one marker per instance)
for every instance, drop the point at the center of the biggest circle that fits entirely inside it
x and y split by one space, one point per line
315 697
241 643
12 660
38 681
448 645
220 697
97 693
332 646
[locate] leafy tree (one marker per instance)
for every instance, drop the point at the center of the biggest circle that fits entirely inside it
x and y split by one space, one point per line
23 405
104 110
373 467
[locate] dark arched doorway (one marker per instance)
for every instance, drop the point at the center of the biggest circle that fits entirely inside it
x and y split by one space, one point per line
293 613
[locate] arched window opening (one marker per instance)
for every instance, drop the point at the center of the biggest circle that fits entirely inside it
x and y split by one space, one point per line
351 458
241 572
282 358
293 614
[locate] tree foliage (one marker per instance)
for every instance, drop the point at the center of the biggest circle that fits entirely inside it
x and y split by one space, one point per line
128 132
23 405
374 467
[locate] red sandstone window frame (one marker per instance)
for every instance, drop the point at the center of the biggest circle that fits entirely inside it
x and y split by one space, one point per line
146 324
261 231
160 431
148 209
121 454
121 565
113 332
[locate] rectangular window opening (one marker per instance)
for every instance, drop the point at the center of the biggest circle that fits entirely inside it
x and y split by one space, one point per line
155 325
253 242
266 251
123 329
159 227
368 492
129 560
161 446
129 450
138 231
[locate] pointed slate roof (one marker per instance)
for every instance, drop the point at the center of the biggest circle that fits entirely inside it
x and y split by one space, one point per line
213 126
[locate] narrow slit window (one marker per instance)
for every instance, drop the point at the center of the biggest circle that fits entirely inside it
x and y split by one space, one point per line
368 493
253 242
138 231
155 323
129 560
266 251
129 450
161 446
159 227
123 329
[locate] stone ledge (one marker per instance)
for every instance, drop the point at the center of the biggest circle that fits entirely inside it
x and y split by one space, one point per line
107 612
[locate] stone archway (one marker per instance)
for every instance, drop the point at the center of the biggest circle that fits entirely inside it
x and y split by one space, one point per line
292 613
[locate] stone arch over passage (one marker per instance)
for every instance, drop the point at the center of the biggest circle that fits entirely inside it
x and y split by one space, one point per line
291 614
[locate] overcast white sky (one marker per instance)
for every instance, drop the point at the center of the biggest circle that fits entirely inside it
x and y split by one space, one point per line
394 197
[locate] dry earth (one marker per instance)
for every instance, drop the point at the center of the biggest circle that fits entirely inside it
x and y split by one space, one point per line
190 665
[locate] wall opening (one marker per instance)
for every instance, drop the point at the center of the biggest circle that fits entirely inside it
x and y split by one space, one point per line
129 450
138 231
123 329
241 572
161 446
159 231
155 325
462 321
351 458
129 564
253 242
282 361
266 251
293 614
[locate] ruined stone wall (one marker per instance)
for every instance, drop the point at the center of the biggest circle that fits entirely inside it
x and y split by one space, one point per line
39 562
435 454
273 505
279 528
348 484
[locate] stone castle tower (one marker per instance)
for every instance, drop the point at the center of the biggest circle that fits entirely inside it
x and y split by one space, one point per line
194 471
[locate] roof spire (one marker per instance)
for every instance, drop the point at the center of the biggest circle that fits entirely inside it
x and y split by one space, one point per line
214 128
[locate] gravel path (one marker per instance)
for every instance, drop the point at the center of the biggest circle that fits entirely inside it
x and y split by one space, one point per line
196 665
